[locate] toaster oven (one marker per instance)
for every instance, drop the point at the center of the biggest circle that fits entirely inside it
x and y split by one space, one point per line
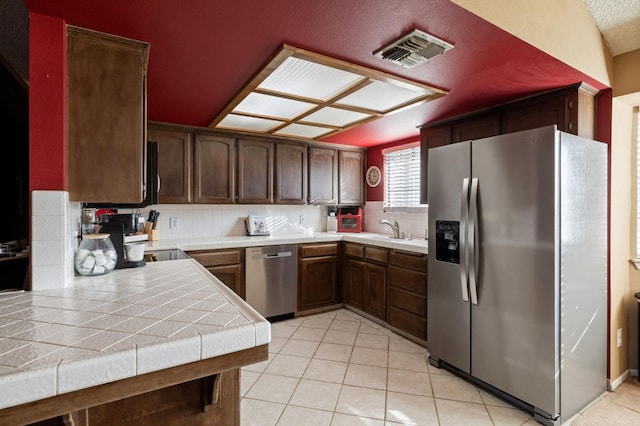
350 219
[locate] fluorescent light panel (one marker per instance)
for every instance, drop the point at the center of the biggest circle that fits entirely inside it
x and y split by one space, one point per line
272 106
310 96
380 96
305 79
303 131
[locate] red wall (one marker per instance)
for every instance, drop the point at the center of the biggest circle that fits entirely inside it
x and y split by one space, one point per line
374 158
47 103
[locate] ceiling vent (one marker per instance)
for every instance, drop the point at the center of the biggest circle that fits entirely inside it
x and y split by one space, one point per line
413 49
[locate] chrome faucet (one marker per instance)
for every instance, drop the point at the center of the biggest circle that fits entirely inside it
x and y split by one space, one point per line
395 226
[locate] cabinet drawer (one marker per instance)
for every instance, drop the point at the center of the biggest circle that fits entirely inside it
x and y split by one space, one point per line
404 259
415 282
409 302
354 250
318 250
217 258
412 324
376 254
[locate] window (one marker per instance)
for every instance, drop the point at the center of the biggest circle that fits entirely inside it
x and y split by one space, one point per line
402 178
637 135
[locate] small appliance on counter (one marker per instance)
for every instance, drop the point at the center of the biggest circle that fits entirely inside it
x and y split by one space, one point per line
332 220
350 219
256 225
128 220
133 257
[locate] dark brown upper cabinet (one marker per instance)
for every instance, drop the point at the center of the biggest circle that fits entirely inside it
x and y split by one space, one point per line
198 165
174 164
351 173
291 174
571 108
106 117
214 169
479 127
255 171
323 175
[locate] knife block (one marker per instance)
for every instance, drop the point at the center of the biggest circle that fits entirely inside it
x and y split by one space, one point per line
152 234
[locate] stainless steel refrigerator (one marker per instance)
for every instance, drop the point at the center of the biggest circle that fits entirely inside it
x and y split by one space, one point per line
517 276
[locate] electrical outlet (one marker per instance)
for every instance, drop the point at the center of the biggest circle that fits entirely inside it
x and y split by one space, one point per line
619 337
174 223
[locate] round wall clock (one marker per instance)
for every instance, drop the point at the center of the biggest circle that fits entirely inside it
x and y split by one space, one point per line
373 176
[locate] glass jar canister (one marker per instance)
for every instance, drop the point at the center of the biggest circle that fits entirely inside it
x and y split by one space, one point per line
95 255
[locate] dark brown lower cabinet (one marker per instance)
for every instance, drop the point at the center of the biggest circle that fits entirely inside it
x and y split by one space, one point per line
375 285
225 264
318 282
366 278
355 277
407 293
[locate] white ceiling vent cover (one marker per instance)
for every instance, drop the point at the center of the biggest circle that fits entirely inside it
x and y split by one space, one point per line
413 49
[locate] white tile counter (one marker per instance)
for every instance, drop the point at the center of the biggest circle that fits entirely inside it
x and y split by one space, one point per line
212 243
119 325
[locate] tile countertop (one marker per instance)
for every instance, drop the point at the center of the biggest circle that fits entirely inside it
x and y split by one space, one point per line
211 243
119 325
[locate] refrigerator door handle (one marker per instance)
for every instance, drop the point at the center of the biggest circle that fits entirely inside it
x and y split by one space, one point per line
473 238
464 214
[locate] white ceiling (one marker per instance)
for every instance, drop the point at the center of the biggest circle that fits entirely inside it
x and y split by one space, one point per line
619 23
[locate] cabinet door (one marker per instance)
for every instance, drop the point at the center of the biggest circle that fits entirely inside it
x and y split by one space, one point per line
407 298
323 176
232 276
355 283
351 177
255 172
554 108
214 173
479 127
106 122
375 290
430 138
318 282
174 164
291 174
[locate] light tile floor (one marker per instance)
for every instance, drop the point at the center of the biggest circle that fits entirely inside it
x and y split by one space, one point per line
338 368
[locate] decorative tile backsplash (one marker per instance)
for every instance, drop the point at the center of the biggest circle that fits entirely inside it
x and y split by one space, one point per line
55 227
227 220
410 223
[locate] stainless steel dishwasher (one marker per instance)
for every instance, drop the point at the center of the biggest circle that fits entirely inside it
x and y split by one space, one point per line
271 274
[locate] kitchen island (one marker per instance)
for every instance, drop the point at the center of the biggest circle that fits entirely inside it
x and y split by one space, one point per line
165 341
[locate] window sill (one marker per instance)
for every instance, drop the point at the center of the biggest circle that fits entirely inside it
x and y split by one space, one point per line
636 263
423 209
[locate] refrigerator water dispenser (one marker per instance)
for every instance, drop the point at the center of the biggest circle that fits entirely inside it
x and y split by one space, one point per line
447 241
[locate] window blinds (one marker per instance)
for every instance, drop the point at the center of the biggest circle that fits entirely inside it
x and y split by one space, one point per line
402 178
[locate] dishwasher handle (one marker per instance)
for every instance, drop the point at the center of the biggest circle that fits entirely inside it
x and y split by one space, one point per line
272 255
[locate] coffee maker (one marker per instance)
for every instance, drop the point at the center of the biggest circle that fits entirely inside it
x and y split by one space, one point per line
116 230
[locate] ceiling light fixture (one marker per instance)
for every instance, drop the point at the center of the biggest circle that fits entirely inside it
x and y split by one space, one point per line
307 95
413 49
